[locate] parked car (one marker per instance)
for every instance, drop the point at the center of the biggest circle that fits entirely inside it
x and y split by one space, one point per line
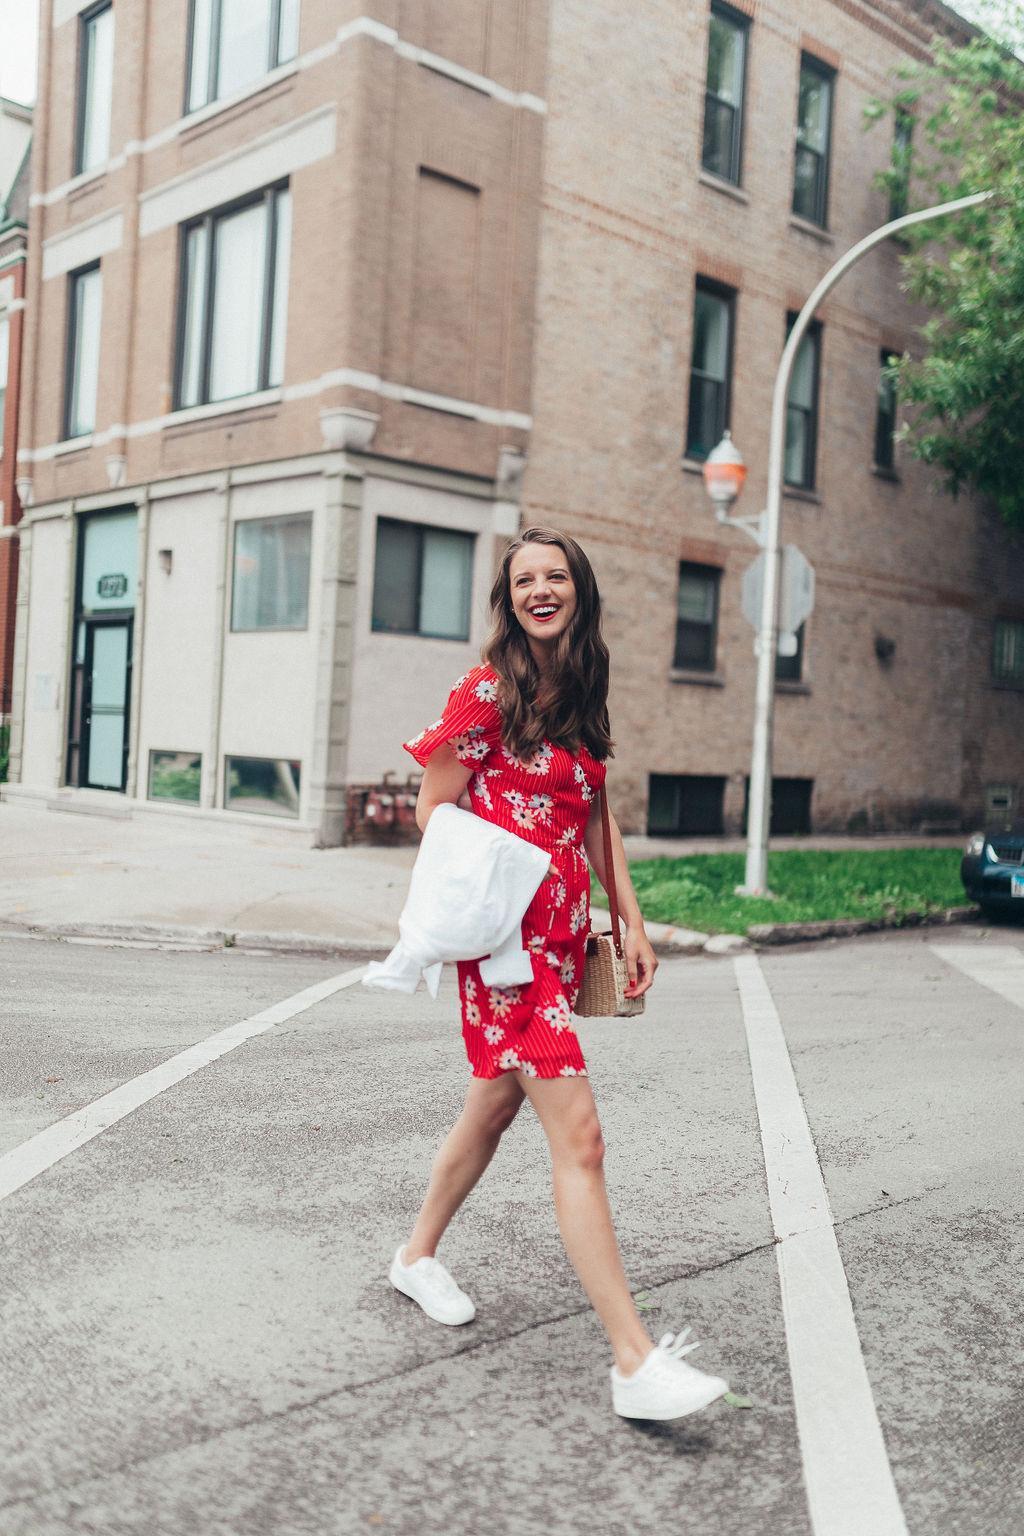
992 869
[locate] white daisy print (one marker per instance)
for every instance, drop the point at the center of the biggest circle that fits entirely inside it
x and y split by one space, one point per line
501 1000
578 915
570 838
508 1061
573 1072
535 943
472 1011
557 893
469 987
486 690
471 746
557 1015
567 970
552 960
540 762
521 813
541 805
493 1033
583 782
528 1069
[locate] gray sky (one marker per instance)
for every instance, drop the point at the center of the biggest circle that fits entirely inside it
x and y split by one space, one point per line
18 44
18 49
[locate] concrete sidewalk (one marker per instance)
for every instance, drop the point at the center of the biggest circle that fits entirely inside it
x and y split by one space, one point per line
199 882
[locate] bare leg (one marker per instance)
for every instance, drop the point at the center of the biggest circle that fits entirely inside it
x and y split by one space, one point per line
491 1106
566 1109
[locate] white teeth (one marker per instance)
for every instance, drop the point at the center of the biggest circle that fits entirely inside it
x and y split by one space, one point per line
538 611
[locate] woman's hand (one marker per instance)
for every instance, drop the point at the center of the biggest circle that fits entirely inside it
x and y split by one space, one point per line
641 961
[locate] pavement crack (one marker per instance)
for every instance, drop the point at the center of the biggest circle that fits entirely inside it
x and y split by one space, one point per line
256 1421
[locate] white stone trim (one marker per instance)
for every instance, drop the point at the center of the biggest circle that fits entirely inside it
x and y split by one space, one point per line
362 26
13 306
64 10
83 243
311 387
279 153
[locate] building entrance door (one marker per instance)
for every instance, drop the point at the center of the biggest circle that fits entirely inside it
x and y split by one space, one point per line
105 701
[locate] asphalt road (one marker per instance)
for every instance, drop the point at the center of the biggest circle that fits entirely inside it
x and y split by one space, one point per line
197 1335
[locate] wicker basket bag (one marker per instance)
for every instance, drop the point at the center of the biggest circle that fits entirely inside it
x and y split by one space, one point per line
605 978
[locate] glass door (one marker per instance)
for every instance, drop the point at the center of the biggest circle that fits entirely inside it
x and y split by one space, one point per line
108 646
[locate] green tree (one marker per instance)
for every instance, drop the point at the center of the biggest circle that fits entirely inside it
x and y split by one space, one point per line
967 386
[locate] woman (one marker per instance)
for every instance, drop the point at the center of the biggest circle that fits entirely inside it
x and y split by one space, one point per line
528 733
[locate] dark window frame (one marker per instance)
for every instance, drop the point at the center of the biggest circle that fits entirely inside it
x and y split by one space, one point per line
1009 678
692 567
723 412
274 61
825 72
790 669
885 417
712 789
902 149
265 195
84 21
421 530
742 24
814 332
71 324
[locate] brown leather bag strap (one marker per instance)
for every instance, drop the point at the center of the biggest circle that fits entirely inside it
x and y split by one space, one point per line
609 872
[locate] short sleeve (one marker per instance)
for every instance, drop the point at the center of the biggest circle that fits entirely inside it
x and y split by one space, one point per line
470 725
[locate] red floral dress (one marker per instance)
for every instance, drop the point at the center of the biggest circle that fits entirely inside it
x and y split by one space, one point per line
546 800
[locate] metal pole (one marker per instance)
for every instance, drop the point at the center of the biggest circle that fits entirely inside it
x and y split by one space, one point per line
759 803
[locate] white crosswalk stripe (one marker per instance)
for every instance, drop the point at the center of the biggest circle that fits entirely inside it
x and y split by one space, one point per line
1000 967
849 1482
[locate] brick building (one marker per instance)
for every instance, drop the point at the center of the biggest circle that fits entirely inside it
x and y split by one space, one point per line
326 299
15 151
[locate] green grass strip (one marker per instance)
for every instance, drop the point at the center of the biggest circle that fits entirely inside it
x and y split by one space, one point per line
809 885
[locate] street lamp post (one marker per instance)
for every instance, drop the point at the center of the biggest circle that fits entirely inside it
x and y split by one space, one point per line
767 535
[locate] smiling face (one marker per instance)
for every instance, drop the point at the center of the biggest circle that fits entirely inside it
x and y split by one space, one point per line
543 594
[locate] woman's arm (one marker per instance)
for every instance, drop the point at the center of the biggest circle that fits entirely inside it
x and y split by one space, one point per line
640 957
444 782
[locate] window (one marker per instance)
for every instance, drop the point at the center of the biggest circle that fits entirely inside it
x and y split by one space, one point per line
802 409
685 804
267 786
710 369
422 580
4 352
723 95
234 294
83 351
813 130
270 589
1008 651
791 807
175 776
899 193
790 669
697 620
234 42
95 88
885 419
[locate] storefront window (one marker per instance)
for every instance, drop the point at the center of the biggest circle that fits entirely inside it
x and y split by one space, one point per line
270 589
268 786
175 776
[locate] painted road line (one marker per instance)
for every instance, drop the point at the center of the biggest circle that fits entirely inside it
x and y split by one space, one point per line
1000 967
849 1482
40 1152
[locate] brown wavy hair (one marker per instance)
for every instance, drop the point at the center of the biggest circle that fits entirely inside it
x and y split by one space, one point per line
568 705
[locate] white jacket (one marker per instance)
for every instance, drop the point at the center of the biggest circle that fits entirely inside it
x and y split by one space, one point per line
471 884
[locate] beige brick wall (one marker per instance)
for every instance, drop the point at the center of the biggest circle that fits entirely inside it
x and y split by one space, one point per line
628 226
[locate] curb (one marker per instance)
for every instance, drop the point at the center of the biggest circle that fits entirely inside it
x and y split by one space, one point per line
208 939
665 939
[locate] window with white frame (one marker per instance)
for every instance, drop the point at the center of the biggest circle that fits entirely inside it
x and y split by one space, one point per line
233 43
233 299
270 589
85 300
422 580
95 87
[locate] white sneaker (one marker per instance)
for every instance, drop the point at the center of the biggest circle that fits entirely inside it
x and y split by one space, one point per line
428 1282
664 1386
